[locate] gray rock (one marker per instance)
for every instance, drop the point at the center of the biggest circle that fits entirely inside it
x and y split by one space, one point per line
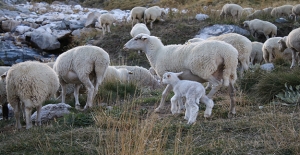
51 111
44 39
267 67
9 25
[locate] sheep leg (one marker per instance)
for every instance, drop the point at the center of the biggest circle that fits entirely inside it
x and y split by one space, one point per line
28 109
209 105
151 24
63 91
193 108
180 105
231 91
187 111
294 55
90 91
17 109
76 94
215 86
38 115
271 56
108 28
163 98
174 106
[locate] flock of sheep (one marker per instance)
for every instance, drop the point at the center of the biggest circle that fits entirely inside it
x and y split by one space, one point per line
181 67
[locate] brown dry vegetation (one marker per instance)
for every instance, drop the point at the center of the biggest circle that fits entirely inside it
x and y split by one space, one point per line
131 127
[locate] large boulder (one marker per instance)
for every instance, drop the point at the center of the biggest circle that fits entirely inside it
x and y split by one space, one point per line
9 25
51 111
92 18
44 39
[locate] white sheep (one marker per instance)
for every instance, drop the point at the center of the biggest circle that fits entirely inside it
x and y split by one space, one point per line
256 56
193 40
296 11
114 74
259 26
284 10
233 10
243 46
30 83
247 11
105 21
3 94
256 14
85 65
141 76
271 49
291 41
137 13
207 61
268 10
153 13
192 91
139 28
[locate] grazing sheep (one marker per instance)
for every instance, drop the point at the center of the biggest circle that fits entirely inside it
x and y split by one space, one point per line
291 41
268 10
208 61
137 13
105 21
271 49
114 74
82 65
243 46
255 14
247 11
260 26
193 93
233 10
141 76
153 13
256 56
30 83
296 11
284 10
139 28
3 94
215 13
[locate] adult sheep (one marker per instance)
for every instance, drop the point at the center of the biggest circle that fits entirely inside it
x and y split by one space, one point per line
271 49
259 26
137 14
243 46
233 10
114 74
105 21
295 11
208 61
31 83
139 28
153 13
85 65
256 56
291 41
3 94
284 10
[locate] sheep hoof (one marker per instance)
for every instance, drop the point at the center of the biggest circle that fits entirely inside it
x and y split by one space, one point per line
157 110
231 115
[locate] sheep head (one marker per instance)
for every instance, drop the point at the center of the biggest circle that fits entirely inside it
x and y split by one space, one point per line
282 44
170 77
136 43
246 23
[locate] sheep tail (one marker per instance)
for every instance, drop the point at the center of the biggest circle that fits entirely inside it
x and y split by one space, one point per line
229 73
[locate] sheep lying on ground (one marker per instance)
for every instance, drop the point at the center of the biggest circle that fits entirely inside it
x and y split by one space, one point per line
291 41
271 49
233 10
3 94
256 56
207 61
193 93
243 46
114 74
260 26
296 11
137 13
105 21
284 10
153 13
82 65
30 83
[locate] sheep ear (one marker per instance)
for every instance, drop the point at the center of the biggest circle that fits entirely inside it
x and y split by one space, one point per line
144 37
178 73
3 76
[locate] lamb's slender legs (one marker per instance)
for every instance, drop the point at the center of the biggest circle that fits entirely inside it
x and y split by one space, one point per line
187 111
231 91
108 28
174 104
76 94
193 110
209 105
163 98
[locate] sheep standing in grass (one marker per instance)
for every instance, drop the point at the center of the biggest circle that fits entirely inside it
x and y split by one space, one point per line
193 93
105 21
82 65
139 28
208 61
137 13
291 41
259 26
256 56
233 10
3 94
271 49
296 11
284 10
153 13
30 83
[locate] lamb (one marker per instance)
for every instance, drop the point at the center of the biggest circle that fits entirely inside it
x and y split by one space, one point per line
114 74
193 93
153 13
3 94
260 26
291 41
243 46
256 56
284 10
137 13
85 65
207 61
31 83
233 10
295 11
271 49
105 21
139 28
